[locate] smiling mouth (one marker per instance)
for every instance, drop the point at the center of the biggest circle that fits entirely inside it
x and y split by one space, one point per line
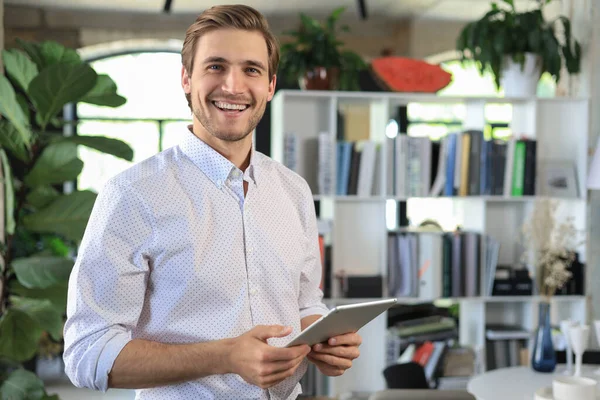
230 107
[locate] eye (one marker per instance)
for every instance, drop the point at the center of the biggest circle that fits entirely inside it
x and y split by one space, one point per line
253 70
215 67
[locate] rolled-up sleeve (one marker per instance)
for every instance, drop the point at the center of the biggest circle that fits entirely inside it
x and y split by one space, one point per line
107 285
311 296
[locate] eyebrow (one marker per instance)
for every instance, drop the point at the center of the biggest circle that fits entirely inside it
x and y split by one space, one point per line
252 63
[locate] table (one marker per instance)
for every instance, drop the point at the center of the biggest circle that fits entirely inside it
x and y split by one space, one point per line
517 383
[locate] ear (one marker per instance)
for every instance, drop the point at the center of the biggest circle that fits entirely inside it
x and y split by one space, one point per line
272 86
185 81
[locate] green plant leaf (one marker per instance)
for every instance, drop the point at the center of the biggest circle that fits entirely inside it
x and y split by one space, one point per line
8 364
41 196
24 103
46 314
309 23
12 141
511 3
9 195
10 108
56 246
19 335
55 53
104 93
57 85
22 385
56 294
19 67
58 163
33 50
41 272
115 147
67 216
333 17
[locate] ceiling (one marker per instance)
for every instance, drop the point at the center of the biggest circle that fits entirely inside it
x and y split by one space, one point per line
458 10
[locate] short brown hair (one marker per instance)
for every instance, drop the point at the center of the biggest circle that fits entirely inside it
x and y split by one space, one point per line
237 16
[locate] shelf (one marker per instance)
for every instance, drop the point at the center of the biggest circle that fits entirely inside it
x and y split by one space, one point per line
536 299
485 299
397 97
359 226
510 299
491 199
357 199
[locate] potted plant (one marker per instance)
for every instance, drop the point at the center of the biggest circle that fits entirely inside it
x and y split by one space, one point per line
42 224
315 59
519 46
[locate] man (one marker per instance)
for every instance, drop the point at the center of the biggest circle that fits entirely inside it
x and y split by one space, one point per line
200 263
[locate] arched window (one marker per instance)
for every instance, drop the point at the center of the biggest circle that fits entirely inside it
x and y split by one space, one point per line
148 75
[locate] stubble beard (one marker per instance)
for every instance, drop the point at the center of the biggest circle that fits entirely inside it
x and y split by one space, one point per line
233 135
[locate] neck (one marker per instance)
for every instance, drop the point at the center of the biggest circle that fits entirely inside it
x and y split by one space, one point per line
237 152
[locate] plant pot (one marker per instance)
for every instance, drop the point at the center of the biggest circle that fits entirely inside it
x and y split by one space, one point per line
521 81
319 78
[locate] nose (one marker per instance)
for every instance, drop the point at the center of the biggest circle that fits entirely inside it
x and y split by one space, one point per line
234 82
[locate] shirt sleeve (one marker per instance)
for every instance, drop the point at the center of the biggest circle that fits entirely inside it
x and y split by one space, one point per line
107 285
311 296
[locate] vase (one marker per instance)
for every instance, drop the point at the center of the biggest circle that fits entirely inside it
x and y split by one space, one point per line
543 358
520 81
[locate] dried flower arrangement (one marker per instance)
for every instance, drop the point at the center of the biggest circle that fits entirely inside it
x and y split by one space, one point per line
550 246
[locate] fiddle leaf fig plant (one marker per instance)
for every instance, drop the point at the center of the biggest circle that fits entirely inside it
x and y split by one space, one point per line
42 224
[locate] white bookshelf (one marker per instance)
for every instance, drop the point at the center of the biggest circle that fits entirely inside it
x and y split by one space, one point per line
359 232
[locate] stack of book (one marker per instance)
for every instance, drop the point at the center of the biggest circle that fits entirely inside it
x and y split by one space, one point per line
461 164
418 331
506 345
430 265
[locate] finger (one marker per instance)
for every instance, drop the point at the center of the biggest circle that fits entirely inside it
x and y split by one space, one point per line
280 366
348 339
272 353
349 352
264 332
333 361
275 378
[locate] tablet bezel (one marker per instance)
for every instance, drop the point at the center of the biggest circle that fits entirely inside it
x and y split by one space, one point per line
342 319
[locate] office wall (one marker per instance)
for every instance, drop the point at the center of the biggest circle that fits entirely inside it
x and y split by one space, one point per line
30 23
78 28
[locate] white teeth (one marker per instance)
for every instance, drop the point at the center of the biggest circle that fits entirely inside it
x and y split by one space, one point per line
229 106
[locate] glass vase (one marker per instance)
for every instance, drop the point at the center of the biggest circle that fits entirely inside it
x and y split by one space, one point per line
543 358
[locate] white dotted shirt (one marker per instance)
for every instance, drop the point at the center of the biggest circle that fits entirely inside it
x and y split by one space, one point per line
174 253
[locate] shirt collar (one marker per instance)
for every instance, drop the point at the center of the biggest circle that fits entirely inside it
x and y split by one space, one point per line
216 167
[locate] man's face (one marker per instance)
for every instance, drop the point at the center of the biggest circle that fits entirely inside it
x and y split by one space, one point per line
230 84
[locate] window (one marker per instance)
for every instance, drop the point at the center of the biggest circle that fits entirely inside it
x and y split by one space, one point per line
155 116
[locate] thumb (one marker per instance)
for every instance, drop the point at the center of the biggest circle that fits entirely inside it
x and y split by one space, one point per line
264 332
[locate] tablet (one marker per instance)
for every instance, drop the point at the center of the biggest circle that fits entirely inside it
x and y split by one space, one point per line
340 320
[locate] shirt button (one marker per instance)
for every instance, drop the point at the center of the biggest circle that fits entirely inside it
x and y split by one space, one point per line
253 291
250 249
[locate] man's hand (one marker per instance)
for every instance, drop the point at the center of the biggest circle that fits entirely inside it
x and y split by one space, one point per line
261 364
335 357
